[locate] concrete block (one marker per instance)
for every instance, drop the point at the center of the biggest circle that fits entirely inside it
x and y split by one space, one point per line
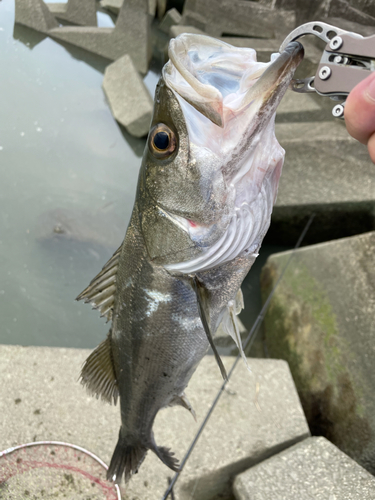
239 18
131 35
346 10
128 97
259 414
75 11
152 5
350 25
325 172
321 320
171 17
291 105
112 5
364 6
34 14
314 468
161 7
179 29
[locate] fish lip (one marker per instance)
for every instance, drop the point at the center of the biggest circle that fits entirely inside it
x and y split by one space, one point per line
279 74
288 60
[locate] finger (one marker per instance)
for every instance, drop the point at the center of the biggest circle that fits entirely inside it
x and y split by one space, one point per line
360 110
371 147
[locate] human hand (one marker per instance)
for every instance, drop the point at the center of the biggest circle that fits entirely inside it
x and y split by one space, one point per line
360 113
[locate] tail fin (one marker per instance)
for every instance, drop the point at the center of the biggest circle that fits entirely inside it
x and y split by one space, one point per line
126 460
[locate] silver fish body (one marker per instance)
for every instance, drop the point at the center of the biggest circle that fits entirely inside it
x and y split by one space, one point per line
206 188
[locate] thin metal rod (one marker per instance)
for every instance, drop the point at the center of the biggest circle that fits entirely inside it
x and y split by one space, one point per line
250 337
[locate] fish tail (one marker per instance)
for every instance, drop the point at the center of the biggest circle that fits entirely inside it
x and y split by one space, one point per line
126 460
165 455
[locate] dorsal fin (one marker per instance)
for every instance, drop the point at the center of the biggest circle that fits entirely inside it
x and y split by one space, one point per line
203 308
102 289
98 372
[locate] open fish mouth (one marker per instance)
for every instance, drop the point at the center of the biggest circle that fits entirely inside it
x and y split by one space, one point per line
217 79
229 100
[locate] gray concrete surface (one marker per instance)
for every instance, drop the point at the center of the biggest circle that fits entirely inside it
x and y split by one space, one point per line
112 5
345 9
161 7
178 29
34 14
172 16
321 320
259 414
131 35
75 11
235 17
128 97
325 172
152 4
313 469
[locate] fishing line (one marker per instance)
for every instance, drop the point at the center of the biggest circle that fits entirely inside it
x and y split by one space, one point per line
250 338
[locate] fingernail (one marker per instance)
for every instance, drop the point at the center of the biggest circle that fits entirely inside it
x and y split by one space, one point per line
370 90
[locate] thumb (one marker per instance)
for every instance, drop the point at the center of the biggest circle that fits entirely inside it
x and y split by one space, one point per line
360 110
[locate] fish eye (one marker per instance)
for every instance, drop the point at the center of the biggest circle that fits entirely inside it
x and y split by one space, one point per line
162 141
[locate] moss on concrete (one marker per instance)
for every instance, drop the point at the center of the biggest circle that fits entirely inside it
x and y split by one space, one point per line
301 327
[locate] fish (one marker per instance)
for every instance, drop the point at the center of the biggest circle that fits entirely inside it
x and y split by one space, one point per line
206 189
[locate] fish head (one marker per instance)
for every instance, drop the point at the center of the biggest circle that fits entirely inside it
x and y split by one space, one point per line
211 165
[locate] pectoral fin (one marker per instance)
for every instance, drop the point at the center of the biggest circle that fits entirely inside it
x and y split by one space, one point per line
203 308
102 289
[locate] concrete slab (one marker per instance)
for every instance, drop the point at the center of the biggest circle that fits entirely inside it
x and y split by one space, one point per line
258 415
321 320
34 14
346 10
239 18
171 17
161 7
131 35
152 5
325 172
112 5
314 468
75 11
323 169
129 99
178 29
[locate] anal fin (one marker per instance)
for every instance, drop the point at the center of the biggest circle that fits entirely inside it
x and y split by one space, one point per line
98 373
167 457
202 299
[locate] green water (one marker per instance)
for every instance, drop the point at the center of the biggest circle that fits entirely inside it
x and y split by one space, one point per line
62 156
